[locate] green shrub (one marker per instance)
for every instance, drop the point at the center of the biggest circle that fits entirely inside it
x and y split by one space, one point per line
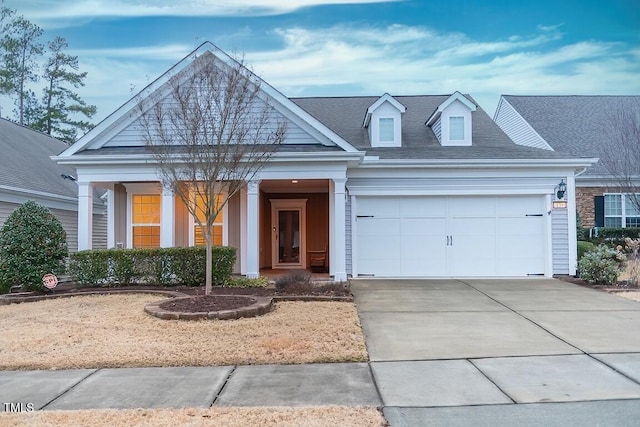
584 247
164 266
601 265
32 244
619 233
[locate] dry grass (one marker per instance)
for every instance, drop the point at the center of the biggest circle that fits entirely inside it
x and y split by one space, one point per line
632 295
228 417
105 331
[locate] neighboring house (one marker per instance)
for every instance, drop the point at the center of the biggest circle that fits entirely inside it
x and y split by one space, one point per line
28 173
403 186
578 126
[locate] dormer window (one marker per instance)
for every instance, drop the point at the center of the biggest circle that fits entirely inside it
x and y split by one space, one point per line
451 122
383 120
456 128
387 133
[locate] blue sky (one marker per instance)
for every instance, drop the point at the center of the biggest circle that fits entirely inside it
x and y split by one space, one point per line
357 47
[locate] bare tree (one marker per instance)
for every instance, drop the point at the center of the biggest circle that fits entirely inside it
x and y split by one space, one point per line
620 156
209 133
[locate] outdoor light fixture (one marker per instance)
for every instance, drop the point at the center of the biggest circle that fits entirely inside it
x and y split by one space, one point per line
562 188
294 181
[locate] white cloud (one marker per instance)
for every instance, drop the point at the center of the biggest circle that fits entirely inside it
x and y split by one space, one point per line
401 60
56 13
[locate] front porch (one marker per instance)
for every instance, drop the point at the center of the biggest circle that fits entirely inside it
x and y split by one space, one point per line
275 224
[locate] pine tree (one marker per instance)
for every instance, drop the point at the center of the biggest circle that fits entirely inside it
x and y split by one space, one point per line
20 49
59 101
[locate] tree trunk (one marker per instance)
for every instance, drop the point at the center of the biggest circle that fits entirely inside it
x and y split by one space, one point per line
207 286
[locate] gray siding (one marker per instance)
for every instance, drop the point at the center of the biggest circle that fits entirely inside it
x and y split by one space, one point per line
99 231
347 235
5 210
517 128
437 129
560 241
69 221
132 135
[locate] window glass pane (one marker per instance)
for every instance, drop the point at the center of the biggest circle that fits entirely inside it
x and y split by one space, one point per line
633 221
612 204
630 207
456 128
386 130
146 236
217 236
200 203
613 222
146 209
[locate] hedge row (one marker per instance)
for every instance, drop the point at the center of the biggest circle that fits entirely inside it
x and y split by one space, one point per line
165 266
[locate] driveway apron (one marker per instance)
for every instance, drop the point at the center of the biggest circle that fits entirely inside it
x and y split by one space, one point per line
440 349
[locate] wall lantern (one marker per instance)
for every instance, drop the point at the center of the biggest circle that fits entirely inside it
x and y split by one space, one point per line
561 189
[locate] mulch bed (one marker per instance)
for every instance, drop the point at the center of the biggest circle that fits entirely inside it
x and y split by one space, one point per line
207 303
619 287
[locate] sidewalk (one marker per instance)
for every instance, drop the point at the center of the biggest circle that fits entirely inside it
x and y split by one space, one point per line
346 384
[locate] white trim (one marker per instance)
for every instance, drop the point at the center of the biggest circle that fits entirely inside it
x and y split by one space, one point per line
571 212
384 98
548 262
456 96
623 213
253 229
299 205
243 230
111 218
146 188
85 216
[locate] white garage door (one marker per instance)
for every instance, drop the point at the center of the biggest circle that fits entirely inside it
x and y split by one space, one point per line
450 236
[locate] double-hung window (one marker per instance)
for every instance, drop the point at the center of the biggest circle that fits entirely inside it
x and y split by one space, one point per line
217 232
456 128
620 211
387 129
145 220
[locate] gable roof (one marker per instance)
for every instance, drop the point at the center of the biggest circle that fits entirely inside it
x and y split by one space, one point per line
25 164
127 114
344 116
384 98
456 96
573 124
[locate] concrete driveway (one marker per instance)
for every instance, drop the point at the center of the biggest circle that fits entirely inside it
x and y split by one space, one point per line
501 352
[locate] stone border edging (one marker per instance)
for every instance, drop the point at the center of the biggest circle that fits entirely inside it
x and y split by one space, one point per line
6 299
262 306
311 298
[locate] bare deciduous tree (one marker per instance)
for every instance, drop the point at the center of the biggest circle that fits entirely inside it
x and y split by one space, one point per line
209 134
620 156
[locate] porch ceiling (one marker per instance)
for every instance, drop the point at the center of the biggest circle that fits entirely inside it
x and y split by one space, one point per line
288 185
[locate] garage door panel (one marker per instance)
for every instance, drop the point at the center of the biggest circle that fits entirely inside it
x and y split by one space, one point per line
473 227
464 207
519 206
378 227
423 226
387 207
423 207
451 236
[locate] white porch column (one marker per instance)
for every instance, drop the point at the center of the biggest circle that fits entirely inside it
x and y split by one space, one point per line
332 228
253 239
85 216
111 218
338 257
243 231
571 212
167 219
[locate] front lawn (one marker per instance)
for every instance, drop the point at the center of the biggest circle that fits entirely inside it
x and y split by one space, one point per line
107 331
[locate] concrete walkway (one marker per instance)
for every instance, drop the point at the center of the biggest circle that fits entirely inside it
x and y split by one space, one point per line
348 384
501 352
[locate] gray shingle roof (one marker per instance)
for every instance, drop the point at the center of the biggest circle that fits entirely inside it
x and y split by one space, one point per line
572 124
345 116
25 162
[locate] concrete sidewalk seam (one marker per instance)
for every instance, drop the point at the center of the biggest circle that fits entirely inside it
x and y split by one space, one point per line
70 388
375 384
492 381
224 385
613 368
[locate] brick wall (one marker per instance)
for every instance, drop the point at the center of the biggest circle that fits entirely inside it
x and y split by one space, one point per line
584 203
